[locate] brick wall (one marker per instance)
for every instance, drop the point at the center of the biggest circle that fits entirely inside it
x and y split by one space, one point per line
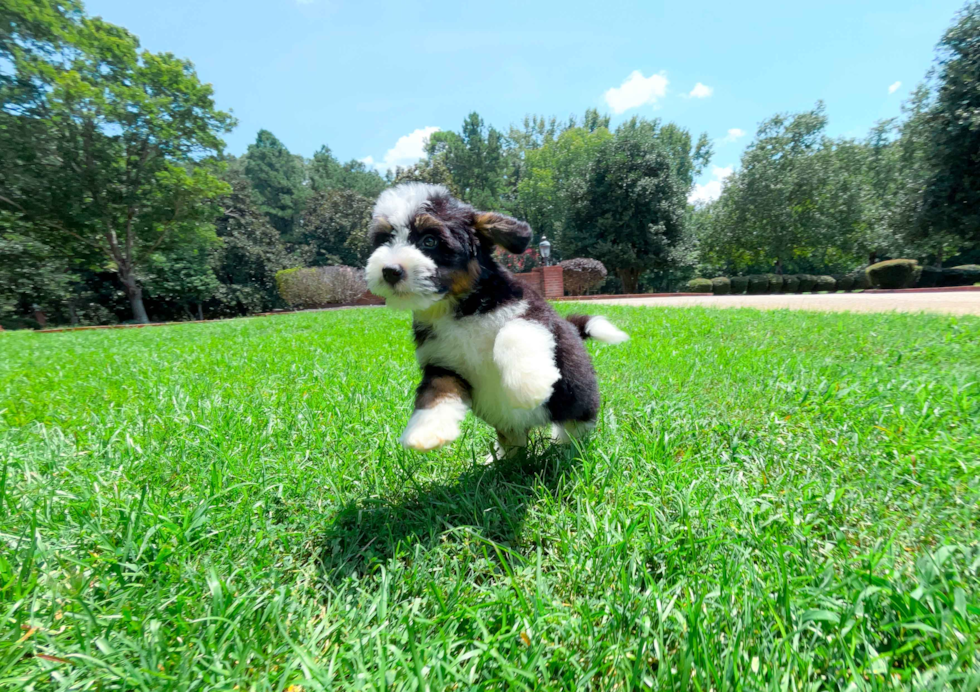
548 281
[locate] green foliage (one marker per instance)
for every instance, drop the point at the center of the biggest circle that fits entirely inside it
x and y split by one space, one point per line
845 282
892 274
335 228
581 275
327 173
277 177
475 159
806 282
721 286
964 275
740 284
758 284
930 277
320 286
775 283
699 286
824 283
862 281
627 209
791 283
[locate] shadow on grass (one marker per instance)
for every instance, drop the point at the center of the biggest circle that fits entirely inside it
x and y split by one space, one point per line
490 501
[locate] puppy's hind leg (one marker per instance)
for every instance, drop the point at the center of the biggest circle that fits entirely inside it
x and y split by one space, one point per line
441 403
524 352
508 445
566 432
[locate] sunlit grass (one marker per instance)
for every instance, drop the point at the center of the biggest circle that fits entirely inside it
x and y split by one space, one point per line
771 501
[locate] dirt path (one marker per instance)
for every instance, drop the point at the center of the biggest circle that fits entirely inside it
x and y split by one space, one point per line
956 303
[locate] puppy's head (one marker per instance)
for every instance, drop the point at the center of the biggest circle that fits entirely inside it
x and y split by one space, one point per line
428 246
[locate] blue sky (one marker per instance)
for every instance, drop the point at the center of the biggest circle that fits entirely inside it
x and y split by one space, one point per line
369 79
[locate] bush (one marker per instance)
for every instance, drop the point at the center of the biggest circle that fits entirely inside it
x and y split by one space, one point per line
319 286
963 275
806 282
892 274
845 282
825 283
740 284
861 280
758 284
699 286
791 283
930 277
582 274
775 283
721 286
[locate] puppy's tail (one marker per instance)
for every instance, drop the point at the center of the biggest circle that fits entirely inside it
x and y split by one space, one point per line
598 328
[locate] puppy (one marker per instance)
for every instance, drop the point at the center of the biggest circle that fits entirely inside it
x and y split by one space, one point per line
484 341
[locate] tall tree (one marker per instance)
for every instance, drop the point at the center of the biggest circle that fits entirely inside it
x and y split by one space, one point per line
327 173
951 201
277 176
475 159
627 210
122 140
335 228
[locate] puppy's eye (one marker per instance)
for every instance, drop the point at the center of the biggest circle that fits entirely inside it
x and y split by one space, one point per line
428 242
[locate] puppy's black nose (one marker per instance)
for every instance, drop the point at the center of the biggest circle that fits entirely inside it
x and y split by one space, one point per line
393 274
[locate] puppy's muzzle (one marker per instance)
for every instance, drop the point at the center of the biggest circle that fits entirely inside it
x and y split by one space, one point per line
393 273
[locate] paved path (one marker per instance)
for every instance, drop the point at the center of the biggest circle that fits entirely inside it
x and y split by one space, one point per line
956 303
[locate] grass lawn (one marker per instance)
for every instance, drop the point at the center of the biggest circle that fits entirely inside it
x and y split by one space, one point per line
778 500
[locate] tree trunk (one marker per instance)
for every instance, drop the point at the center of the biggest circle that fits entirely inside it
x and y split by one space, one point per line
135 294
939 259
872 258
630 279
200 311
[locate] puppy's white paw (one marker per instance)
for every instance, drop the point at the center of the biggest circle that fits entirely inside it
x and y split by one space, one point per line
430 429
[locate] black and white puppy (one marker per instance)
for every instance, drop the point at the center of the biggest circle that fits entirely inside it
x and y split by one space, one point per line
484 341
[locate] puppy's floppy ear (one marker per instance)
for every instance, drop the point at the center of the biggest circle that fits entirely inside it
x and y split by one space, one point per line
509 233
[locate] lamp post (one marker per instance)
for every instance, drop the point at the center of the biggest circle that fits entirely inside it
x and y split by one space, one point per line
545 247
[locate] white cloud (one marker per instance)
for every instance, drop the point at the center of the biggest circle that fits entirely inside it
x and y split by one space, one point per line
733 134
700 91
407 150
711 190
636 91
894 87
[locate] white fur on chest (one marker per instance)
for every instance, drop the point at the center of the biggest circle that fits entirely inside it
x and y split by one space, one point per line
466 346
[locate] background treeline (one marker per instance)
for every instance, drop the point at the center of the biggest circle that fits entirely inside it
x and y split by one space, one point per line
118 203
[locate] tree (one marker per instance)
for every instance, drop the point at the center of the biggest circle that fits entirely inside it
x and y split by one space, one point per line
627 209
335 228
950 214
326 173
122 146
277 177
475 160
249 253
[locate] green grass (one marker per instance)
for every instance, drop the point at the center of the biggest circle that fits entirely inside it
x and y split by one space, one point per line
772 500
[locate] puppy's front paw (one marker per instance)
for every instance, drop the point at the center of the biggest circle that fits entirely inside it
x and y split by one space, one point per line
428 430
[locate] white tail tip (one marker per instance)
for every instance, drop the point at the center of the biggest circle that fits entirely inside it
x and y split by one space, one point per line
601 329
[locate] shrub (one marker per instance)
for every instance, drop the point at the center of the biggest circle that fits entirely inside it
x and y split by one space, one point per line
861 280
721 286
891 274
740 284
825 283
775 283
806 282
319 286
791 283
930 277
963 275
758 284
845 282
582 274
699 286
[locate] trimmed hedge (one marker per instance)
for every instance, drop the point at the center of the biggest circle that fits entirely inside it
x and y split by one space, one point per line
775 283
699 286
740 284
758 284
791 283
845 282
806 282
582 274
930 277
721 286
892 274
825 283
861 280
963 275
